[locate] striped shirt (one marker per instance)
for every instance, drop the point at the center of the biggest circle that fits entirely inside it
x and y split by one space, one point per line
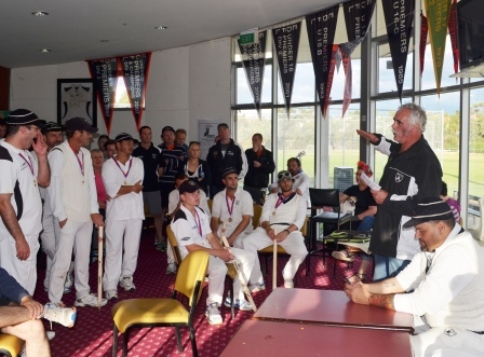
170 161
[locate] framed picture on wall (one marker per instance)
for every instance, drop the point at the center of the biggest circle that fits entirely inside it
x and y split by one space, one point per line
76 98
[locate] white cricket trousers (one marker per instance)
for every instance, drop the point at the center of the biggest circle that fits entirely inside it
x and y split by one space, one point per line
293 245
217 271
47 237
24 271
122 246
73 237
444 342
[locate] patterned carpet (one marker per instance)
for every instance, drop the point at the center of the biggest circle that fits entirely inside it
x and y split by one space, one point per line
92 335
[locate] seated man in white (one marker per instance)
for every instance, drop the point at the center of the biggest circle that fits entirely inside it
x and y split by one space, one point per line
173 206
192 231
234 207
443 286
283 215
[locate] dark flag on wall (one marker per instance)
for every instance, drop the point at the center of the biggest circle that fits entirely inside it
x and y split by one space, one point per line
286 43
253 61
104 72
135 74
453 35
321 28
346 49
358 14
399 20
424 29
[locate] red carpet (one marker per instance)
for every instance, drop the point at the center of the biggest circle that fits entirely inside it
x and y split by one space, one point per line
92 334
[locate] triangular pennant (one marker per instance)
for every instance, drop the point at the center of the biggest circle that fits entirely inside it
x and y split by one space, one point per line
399 20
286 43
321 28
135 74
358 16
424 28
104 73
453 35
253 61
346 49
438 17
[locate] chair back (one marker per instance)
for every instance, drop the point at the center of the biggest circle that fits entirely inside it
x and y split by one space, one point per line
257 214
190 276
174 245
321 197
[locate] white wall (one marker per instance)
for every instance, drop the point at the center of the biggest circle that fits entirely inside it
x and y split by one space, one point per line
185 84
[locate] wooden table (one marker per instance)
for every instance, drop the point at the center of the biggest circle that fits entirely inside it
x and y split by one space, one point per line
275 338
330 308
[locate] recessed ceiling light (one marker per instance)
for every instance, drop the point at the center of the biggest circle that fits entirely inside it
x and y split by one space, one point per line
161 28
104 41
45 50
40 13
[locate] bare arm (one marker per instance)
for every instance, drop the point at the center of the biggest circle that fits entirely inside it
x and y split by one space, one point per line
240 228
125 189
214 222
9 218
40 148
379 294
371 211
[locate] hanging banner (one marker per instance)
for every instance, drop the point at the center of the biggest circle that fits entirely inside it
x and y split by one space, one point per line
104 73
286 43
321 29
346 49
438 17
253 61
424 28
399 18
454 40
338 59
135 74
358 14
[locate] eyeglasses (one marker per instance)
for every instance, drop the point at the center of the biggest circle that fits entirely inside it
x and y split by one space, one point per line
284 176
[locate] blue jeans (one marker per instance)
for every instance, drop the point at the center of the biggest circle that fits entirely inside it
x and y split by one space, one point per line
366 224
387 267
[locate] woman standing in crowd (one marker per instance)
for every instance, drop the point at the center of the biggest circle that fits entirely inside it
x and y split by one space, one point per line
197 169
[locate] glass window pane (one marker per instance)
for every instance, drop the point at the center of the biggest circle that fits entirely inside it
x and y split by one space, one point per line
248 123
296 137
476 143
244 95
428 76
303 90
386 76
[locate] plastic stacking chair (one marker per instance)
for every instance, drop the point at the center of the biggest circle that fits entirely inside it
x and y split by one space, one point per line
10 346
323 198
231 272
165 312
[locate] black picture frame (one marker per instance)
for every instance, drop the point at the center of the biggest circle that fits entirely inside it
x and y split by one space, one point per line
76 97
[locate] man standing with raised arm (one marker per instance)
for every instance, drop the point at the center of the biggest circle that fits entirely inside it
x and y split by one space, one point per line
20 203
75 208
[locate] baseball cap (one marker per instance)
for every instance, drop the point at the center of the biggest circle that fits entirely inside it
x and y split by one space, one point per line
188 187
124 136
80 124
24 117
430 209
228 171
52 126
284 175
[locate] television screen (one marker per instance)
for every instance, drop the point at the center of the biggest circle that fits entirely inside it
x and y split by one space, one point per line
471 32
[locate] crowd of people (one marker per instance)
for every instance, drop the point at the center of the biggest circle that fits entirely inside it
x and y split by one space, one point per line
424 262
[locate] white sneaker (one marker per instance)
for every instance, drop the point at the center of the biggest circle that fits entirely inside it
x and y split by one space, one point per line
65 316
111 294
89 300
171 269
257 287
126 283
213 314
288 283
239 304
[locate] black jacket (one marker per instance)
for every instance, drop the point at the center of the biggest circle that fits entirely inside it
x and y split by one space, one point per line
218 163
258 177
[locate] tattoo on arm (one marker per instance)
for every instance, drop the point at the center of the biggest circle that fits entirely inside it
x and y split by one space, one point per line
384 301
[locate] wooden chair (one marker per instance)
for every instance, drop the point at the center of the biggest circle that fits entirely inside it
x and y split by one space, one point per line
10 346
231 272
165 312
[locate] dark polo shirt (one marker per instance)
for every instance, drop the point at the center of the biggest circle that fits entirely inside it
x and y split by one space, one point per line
152 161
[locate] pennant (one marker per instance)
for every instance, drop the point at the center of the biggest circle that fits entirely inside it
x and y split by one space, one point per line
104 73
253 61
438 16
424 28
454 40
286 43
358 14
338 59
135 74
399 18
321 28
346 49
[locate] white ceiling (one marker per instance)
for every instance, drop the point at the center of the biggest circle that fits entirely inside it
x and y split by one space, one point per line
73 31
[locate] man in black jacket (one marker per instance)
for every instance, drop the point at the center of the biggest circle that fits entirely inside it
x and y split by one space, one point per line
224 154
261 165
412 173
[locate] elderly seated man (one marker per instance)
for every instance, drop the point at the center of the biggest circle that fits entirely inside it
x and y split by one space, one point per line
20 316
283 215
443 286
